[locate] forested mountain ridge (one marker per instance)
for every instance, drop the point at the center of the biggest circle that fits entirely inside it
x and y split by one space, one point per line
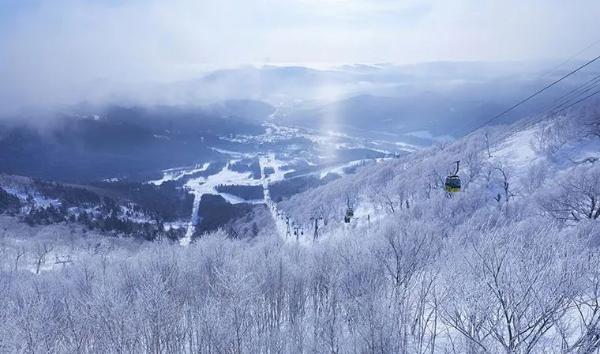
142 211
510 264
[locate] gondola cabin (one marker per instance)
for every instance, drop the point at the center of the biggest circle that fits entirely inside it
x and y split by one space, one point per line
349 215
452 184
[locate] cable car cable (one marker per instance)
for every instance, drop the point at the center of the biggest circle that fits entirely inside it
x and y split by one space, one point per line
574 92
570 102
540 116
513 107
525 124
453 183
544 115
579 101
551 71
575 99
577 92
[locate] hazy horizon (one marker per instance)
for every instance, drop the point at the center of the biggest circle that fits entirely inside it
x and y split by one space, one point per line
69 51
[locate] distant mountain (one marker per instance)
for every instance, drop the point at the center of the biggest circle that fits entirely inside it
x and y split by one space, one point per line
441 111
443 98
123 141
248 110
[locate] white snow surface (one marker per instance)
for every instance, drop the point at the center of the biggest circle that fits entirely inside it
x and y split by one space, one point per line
517 150
176 174
207 185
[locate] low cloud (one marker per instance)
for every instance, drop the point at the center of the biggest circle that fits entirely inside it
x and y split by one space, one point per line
66 51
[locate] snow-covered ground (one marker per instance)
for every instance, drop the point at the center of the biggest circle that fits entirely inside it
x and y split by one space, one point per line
283 223
340 169
517 150
233 154
269 160
207 185
178 173
274 133
24 194
326 140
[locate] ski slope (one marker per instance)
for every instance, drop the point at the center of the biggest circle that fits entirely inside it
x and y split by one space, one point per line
207 185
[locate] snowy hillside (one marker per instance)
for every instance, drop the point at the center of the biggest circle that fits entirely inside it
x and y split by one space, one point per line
503 169
141 211
510 264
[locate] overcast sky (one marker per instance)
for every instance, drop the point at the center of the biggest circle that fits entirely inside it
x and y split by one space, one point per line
51 48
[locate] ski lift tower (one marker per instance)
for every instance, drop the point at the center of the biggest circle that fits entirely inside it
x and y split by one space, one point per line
316 233
297 231
288 231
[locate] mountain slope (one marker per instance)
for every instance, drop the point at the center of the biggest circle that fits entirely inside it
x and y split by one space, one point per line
511 169
508 265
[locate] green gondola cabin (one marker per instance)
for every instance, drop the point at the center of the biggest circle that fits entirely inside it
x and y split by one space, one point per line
452 184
